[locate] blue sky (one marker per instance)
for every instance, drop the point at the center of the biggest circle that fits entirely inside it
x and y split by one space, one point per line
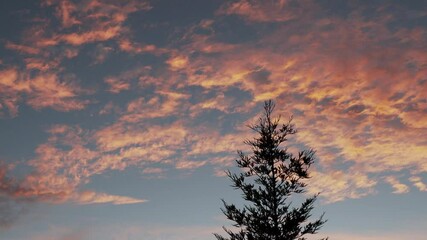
118 118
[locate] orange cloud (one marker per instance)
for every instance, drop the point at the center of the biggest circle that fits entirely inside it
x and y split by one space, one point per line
263 11
361 105
40 64
120 135
39 85
101 53
152 170
117 85
66 162
72 155
89 197
65 11
109 108
177 62
58 173
338 185
133 48
91 36
48 91
104 20
167 103
22 48
398 187
98 21
124 80
189 164
44 90
9 91
418 183
358 97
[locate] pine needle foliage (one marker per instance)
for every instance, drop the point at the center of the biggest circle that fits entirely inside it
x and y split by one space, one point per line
269 177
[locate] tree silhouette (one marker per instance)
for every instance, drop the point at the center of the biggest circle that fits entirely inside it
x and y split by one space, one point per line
269 177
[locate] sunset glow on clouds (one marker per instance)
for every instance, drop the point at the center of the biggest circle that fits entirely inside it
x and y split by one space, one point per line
110 89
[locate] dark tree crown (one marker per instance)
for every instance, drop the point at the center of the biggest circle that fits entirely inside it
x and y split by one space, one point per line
270 175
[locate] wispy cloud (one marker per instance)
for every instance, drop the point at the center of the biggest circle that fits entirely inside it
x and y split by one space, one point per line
101 21
355 85
417 181
127 79
59 173
265 11
398 187
339 185
22 48
45 90
90 197
44 48
357 101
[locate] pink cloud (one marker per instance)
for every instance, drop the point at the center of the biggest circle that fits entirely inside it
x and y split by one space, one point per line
355 99
398 187
264 11
89 197
109 108
339 185
66 12
22 48
177 62
72 155
166 104
59 173
360 104
127 45
45 90
98 21
91 36
189 164
418 183
9 89
124 80
103 21
48 91
153 170
101 53
117 85
40 64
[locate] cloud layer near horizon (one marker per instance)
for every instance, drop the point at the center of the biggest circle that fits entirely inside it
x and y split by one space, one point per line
355 83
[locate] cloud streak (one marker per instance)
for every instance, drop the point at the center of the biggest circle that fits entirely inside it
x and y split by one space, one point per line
45 48
355 85
44 90
358 101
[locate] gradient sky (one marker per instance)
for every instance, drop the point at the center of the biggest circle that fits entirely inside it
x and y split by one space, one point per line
118 118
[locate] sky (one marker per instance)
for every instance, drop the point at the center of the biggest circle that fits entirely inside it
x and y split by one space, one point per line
119 117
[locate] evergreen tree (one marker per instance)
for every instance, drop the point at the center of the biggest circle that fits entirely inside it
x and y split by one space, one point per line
269 177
